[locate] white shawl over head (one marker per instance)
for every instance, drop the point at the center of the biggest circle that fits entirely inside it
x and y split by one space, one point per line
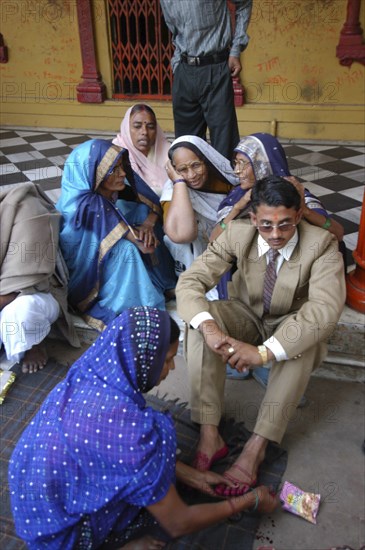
204 203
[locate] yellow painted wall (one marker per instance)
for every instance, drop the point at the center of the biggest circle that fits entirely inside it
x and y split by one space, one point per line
291 58
291 70
294 83
44 52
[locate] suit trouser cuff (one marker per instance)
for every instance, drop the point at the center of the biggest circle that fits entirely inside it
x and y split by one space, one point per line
287 383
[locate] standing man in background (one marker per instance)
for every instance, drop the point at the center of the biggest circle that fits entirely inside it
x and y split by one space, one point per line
206 57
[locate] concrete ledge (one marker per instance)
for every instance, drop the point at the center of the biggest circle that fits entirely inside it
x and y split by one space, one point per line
346 373
348 337
298 121
346 353
346 350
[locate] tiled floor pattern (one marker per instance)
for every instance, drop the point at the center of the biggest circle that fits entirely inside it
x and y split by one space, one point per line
334 173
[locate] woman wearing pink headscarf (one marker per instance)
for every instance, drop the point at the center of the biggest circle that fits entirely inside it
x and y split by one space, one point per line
146 143
147 146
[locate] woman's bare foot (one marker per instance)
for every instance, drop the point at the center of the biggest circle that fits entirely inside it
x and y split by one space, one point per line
145 543
35 358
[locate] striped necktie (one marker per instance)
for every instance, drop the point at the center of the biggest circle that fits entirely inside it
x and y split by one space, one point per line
270 279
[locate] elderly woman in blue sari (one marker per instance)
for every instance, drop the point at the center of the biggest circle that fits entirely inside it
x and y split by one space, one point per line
111 235
97 466
258 156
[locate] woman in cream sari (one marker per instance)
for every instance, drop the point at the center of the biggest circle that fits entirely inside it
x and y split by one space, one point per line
200 178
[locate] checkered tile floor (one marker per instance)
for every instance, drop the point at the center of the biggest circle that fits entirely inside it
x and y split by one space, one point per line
334 173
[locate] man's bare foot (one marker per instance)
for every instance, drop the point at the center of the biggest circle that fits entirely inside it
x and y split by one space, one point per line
211 447
244 471
35 358
145 543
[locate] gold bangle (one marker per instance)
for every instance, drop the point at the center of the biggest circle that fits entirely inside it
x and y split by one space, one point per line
263 353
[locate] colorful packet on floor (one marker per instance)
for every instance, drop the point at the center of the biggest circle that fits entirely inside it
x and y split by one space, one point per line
299 502
6 380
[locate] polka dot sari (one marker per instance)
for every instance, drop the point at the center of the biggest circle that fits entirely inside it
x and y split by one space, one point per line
95 450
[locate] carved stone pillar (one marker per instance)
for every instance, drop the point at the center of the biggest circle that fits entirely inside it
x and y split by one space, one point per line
355 281
351 47
92 88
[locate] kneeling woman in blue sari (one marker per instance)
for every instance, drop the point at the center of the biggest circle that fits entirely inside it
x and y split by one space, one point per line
96 467
111 235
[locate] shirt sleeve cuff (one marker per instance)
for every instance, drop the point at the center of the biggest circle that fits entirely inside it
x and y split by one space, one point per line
274 345
235 52
198 319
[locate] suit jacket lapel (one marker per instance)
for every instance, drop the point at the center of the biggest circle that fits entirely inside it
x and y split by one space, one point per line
254 272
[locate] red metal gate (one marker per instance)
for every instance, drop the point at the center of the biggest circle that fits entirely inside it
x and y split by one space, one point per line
141 50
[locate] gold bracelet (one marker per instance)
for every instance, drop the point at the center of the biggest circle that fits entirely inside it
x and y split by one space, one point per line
263 353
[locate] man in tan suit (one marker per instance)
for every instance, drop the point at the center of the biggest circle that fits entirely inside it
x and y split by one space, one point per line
304 296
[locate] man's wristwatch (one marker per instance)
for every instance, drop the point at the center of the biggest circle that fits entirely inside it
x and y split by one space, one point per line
263 353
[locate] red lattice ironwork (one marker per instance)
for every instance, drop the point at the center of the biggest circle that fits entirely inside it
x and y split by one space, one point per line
141 50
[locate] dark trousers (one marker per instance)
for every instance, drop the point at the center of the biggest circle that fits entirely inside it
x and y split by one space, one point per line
202 98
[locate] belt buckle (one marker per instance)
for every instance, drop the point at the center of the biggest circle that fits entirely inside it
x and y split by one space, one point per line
193 61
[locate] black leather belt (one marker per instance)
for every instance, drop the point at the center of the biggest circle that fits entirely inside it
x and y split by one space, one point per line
204 59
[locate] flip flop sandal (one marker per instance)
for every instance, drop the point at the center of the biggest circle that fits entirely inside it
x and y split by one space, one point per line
203 463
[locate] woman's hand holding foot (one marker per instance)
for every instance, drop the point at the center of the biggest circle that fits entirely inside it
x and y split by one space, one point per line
260 499
201 481
207 480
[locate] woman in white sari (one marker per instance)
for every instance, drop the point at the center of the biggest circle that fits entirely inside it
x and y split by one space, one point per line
199 179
